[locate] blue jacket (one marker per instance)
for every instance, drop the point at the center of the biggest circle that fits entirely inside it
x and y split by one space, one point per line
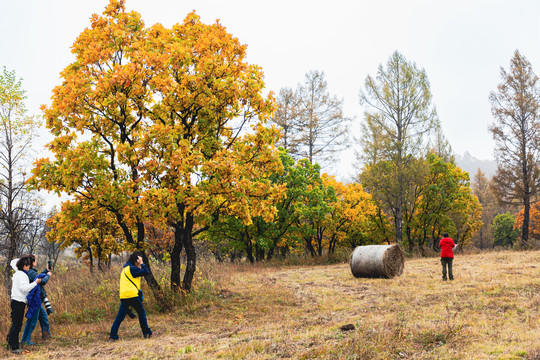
34 298
135 271
32 274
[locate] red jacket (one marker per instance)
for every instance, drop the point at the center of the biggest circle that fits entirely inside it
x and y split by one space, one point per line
446 245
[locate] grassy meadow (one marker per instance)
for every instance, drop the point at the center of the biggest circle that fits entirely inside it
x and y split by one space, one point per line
277 311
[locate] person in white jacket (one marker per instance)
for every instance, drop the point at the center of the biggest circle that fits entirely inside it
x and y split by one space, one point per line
21 286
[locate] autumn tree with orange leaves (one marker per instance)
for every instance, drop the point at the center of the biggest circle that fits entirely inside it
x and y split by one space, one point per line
534 222
352 214
162 125
96 232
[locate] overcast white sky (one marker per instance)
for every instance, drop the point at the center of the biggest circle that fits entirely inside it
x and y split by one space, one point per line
460 43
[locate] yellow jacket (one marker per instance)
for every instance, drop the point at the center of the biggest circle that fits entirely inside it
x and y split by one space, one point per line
130 281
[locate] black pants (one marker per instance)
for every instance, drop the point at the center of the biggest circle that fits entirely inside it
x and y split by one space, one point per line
17 317
135 303
445 262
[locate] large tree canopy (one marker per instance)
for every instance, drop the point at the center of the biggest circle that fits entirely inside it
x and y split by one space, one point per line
153 124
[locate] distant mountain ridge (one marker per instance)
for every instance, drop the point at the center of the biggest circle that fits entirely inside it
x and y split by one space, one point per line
469 163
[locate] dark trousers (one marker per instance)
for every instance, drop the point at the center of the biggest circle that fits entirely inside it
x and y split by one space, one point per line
136 304
17 316
447 262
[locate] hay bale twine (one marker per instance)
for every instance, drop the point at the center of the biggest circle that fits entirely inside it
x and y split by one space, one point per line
377 261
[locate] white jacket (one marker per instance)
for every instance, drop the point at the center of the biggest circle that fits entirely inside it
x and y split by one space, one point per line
21 285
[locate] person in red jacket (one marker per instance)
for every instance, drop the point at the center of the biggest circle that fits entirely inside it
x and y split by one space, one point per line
447 255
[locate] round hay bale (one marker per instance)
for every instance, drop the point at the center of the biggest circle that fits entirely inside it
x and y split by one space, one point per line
377 261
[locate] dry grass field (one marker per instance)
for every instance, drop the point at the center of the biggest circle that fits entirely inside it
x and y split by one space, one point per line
490 311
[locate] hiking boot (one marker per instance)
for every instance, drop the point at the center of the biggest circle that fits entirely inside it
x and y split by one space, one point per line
112 339
16 351
147 336
46 336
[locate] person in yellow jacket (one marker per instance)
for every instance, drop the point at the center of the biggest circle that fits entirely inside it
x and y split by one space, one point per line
131 294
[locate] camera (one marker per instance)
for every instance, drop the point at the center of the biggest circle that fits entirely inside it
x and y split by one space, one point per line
49 265
130 313
48 306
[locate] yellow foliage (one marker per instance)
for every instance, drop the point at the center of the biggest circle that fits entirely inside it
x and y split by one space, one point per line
151 124
352 209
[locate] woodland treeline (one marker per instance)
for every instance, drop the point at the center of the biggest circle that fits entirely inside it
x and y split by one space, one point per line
166 141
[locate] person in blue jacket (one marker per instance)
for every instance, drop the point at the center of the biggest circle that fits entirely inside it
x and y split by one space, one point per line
39 313
131 294
20 288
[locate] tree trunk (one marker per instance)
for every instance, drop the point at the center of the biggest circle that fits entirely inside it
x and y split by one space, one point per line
410 240
7 277
154 285
90 258
398 223
258 252
270 253
526 216
309 245
100 265
249 248
150 279
191 256
175 258
190 264
319 241
332 244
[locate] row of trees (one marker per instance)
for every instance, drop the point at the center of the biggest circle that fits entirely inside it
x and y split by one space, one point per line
402 112
506 227
317 215
405 163
502 223
161 141
401 128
